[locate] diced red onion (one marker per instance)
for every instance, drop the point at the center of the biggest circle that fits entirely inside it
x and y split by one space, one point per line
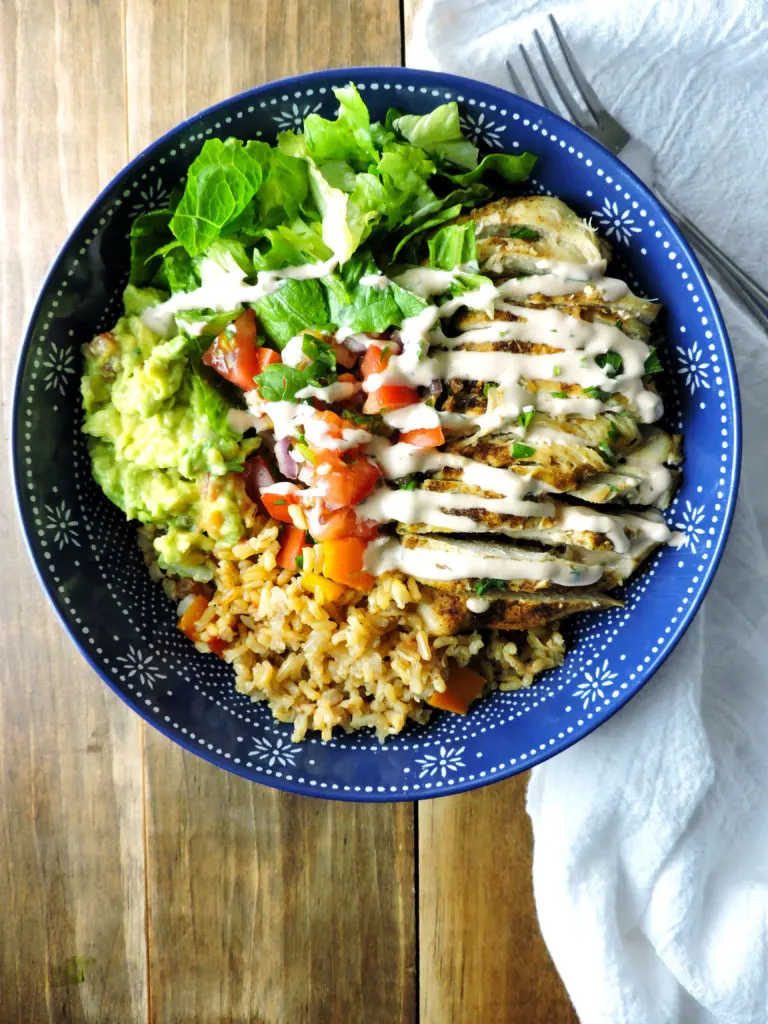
285 463
256 474
435 387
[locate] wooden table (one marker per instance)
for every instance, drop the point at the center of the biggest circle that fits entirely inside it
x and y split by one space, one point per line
139 883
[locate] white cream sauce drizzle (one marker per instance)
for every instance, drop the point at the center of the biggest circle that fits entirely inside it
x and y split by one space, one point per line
388 554
428 354
477 605
224 288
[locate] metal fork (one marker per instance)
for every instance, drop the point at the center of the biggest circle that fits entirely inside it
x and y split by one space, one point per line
636 155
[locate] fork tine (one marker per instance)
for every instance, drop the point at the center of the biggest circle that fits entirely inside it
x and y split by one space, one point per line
541 89
588 94
577 116
518 85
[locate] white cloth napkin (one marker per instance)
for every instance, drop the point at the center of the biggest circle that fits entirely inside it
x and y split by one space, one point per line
651 835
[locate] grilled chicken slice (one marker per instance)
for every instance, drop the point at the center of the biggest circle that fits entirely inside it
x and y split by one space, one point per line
647 475
596 313
501 228
571 524
426 556
559 466
446 614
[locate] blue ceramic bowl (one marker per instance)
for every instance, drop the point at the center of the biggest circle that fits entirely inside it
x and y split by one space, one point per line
86 554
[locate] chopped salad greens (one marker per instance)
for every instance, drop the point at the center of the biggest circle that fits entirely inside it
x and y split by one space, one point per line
361 196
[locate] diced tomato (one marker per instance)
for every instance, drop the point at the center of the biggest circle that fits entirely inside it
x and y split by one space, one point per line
424 438
188 625
463 686
256 474
347 378
278 505
375 360
328 457
292 540
217 646
234 353
343 562
344 523
391 396
188 621
343 356
266 357
351 482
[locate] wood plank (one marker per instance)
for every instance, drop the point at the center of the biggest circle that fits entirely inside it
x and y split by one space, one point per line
71 841
264 906
481 955
275 908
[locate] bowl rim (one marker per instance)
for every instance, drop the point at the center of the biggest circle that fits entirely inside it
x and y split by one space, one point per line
457 83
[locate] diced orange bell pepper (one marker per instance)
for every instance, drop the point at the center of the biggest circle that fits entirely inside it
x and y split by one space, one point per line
188 621
292 540
462 688
343 562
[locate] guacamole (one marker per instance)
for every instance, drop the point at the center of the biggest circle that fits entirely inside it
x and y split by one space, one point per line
160 445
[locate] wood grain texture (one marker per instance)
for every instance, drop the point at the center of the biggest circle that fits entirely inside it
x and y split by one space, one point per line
184 55
72 940
264 907
271 908
481 954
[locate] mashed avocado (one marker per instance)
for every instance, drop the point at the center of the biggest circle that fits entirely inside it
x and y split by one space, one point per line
160 446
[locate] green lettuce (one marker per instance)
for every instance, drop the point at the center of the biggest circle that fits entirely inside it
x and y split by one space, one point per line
296 306
439 132
510 167
149 232
221 182
281 383
454 246
367 308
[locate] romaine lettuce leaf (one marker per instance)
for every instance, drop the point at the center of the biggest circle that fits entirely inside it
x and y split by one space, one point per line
149 232
439 132
221 182
454 246
290 245
295 306
511 167
347 138
364 307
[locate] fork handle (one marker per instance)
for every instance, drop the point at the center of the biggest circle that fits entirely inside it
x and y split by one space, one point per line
754 296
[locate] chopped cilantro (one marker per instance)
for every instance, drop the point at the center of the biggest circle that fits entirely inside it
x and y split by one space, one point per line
608 454
299 561
279 382
611 362
522 451
521 231
613 432
558 394
409 483
653 363
525 417
483 586
597 393
487 387
279 501
555 370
